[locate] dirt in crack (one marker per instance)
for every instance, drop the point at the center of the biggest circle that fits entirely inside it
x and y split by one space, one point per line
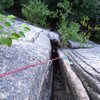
58 89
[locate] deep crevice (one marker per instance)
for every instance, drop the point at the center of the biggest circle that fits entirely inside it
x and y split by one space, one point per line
58 88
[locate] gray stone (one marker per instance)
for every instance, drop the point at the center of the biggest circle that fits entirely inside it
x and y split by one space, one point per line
76 86
76 45
27 84
55 39
86 64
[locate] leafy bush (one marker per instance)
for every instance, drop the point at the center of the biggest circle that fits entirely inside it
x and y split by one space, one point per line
90 30
87 13
4 4
8 31
65 8
82 8
36 12
69 32
67 29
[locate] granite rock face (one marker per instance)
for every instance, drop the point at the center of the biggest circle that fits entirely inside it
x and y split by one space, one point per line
77 89
76 45
55 39
28 84
86 64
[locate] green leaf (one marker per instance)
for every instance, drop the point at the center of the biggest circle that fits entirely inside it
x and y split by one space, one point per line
14 35
7 24
21 34
2 40
8 41
1 28
23 25
5 41
11 17
26 29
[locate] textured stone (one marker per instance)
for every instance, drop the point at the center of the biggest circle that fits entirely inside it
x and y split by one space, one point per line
76 45
86 64
55 39
76 86
26 84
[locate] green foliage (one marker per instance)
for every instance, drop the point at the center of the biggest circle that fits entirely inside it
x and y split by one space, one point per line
4 4
80 16
90 25
88 29
67 30
8 31
65 7
36 12
82 8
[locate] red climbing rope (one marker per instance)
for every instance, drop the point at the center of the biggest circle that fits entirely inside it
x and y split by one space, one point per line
26 67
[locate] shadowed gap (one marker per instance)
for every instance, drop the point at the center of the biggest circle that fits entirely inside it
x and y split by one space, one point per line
58 89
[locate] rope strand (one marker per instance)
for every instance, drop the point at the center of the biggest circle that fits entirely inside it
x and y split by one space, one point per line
26 67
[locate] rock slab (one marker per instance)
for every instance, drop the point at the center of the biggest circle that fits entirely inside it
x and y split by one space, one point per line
77 89
86 64
29 84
